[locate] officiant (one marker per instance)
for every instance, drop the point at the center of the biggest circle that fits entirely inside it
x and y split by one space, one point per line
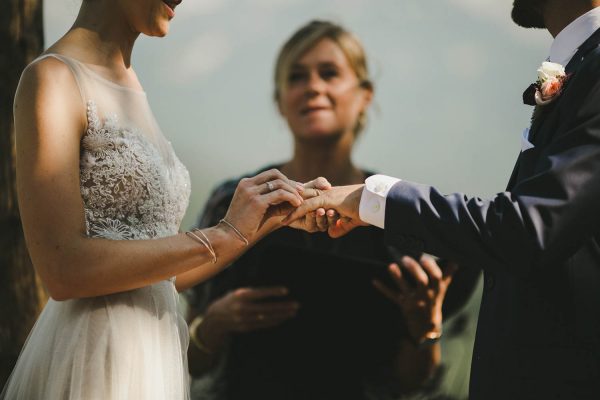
301 315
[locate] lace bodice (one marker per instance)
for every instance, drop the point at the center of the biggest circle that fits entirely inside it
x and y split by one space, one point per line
133 185
128 191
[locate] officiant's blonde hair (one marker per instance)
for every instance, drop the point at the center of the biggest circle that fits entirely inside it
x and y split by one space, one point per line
306 38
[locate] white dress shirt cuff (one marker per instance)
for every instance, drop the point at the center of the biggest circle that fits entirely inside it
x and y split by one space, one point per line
372 201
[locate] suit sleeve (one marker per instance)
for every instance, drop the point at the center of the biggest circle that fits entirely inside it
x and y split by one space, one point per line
540 223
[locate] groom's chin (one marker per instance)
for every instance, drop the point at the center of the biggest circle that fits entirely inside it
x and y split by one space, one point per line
528 13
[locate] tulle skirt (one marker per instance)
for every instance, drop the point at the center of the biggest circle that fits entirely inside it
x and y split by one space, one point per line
125 346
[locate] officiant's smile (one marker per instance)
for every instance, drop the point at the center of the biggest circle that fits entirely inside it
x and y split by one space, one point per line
321 96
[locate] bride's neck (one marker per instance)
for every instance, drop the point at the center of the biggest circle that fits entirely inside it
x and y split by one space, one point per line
106 35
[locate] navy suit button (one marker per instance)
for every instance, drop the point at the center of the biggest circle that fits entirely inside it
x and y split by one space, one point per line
489 282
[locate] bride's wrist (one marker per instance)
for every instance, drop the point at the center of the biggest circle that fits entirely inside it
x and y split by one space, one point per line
227 235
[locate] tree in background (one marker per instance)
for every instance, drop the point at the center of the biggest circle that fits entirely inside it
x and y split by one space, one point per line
21 293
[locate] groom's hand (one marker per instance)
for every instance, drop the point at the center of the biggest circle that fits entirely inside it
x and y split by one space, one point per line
317 220
314 221
344 200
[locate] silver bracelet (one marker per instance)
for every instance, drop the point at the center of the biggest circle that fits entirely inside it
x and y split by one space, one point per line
206 243
237 232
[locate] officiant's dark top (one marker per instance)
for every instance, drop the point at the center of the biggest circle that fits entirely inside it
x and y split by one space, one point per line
344 338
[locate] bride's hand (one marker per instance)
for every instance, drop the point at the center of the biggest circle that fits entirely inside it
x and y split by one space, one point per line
258 199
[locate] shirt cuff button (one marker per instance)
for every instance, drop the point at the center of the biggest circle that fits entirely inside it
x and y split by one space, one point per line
375 207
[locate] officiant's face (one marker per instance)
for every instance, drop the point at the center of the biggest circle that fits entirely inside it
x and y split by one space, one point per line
529 13
323 97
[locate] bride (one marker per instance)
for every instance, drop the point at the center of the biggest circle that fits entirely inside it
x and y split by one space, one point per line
102 195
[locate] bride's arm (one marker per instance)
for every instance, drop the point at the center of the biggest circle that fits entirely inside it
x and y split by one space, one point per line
49 122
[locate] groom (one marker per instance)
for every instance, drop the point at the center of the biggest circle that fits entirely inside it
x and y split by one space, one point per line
538 242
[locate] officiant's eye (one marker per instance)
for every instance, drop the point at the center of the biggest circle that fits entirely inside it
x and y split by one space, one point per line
296 76
328 73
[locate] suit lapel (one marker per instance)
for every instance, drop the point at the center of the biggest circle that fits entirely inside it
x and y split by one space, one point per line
541 115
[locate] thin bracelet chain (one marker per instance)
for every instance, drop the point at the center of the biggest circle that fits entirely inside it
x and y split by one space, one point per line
205 243
237 232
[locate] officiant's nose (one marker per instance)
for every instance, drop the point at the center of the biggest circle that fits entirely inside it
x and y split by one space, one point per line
315 84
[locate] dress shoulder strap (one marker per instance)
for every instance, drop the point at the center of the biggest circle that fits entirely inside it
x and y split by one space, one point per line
75 67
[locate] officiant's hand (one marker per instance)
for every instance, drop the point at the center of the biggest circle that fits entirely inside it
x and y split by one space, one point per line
245 310
419 292
341 203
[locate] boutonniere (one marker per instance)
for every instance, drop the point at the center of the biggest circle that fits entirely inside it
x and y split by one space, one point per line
550 83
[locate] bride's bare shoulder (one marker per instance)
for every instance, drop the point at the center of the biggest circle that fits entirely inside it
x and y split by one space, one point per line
46 70
48 88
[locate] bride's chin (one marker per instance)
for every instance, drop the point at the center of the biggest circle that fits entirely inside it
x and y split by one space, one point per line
161 29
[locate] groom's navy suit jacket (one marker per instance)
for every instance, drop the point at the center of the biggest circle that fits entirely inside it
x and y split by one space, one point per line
538 335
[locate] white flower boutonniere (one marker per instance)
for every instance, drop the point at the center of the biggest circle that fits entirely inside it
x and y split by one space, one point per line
551 79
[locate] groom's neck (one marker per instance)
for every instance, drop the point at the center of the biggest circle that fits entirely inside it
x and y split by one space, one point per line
560 13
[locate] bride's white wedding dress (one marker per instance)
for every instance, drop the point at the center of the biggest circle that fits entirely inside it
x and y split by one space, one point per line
130 345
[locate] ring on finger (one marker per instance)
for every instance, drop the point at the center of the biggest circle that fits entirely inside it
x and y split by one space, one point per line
270 186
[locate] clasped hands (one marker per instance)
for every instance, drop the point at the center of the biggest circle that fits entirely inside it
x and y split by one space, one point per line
335 210
270 200
326 208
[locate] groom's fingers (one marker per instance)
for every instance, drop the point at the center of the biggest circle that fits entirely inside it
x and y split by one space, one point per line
306 207
315 188
342 226
321 219
309 193
310 222
332 217
319 183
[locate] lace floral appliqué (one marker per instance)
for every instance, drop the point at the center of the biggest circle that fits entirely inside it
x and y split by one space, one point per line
128 190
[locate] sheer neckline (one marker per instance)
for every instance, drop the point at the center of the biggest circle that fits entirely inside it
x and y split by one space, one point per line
97 75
